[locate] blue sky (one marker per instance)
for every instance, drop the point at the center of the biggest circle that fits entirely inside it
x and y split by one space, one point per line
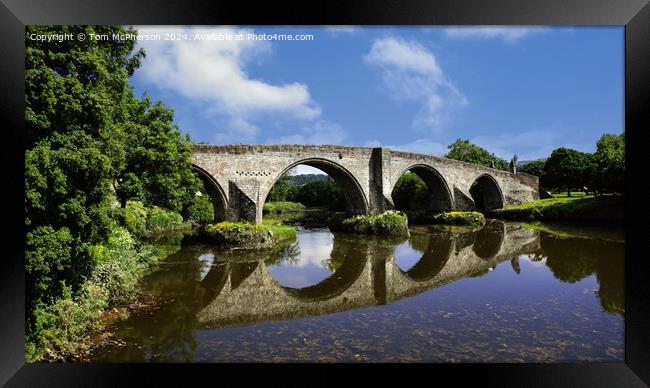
524 90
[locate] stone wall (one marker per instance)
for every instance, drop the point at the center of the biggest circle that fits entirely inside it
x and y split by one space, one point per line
245 174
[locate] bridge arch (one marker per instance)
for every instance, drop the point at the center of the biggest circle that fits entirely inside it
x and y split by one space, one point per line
216 193
334 285
489 240
486 193
433 260
440 194
356 200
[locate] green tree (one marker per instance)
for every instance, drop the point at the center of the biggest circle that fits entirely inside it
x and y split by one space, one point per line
321 193
74 120
536 167
410 193
471 153
610 163
568 169
157 168
87 139
281 188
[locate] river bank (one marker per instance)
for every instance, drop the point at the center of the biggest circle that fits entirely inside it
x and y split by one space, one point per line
606 208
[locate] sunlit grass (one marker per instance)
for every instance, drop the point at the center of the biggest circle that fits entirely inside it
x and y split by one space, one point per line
579 207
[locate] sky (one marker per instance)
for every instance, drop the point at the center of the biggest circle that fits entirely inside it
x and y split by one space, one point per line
510 90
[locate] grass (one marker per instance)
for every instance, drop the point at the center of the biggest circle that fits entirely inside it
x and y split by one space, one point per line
389 223
247 235
281 207
564 208
459 218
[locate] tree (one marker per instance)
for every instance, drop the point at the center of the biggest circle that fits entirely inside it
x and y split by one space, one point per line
281 188
411 193
321 193
87 139
536 167
568 169
610 163
157 167
74 122
471 153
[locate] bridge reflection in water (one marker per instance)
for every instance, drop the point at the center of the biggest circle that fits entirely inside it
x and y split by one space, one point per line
366 274
257 299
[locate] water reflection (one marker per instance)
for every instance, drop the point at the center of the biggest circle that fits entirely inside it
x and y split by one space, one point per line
205 288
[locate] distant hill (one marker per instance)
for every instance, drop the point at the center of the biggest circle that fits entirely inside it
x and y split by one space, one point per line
303 179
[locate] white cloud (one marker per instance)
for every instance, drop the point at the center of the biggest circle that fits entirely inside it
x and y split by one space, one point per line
410 72
321 132
214 72
507 34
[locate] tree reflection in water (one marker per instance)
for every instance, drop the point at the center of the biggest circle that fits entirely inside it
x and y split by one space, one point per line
363 272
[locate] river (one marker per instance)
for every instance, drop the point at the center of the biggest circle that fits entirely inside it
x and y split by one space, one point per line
505 293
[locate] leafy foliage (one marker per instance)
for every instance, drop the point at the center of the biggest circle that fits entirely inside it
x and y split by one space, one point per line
157 166
459 218
568 170
320 194
536 167
247 235
389 223
410 193
610 163
467 152
89 139
200 210
281 188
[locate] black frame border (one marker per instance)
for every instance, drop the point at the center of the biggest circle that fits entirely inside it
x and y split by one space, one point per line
633 14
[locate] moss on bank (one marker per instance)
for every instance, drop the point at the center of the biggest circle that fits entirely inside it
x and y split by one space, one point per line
459 218
247 235
584 208
389 223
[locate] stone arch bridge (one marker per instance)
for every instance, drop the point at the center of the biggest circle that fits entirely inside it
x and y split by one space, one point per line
239 177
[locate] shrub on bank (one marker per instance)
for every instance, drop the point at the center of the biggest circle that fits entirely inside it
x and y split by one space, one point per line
159 219
140 220
63 329
247 235
459 218
200 210
389 223
281 207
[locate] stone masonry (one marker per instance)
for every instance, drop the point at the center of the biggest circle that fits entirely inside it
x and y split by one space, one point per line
239 177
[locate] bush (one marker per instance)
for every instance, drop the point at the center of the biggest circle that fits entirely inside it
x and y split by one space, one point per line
247 235
135 217
389 223
160 220
200 210
62 329
459 218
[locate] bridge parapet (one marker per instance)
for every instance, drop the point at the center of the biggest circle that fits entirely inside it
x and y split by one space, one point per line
246 173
